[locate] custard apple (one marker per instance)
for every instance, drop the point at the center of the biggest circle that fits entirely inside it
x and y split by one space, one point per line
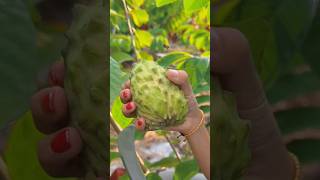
86 83
160 102
229 147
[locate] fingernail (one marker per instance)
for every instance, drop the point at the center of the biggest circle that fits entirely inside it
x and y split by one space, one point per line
124 94
48 102
174 73
61 142
139 122
129 106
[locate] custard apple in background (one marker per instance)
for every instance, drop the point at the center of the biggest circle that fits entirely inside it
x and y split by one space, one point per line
86 83
229 148
160 102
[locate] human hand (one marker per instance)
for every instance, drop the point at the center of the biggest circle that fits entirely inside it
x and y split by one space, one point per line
178 77
235 70
58 152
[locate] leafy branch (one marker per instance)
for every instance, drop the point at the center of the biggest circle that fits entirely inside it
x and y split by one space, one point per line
133 43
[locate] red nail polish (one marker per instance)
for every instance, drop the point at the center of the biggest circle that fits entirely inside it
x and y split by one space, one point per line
139 122
47 102
124 94
61 142
129 106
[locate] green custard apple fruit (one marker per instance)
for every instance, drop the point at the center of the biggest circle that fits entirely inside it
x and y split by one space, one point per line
86 83
229 148
160 102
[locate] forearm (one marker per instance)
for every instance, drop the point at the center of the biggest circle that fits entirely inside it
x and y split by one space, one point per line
270 158
200 146
234 67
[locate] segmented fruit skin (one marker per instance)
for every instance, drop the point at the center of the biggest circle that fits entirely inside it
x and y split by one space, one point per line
230 149
160 102
86 83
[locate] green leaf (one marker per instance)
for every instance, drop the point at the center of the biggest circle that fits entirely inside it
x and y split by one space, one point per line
301 83
115 13
198 34
295 120
139 16
122 42
263 47
201 88
20 154
247 9
206 54
124 177
139 135
173 58
306 150
160 3
292 20
128 154
203 99
144 38
205 109
153 176
135 3
295 17
165 162
146 56
196 69
114 155
230 150
117 114
186 170
280 30
19 65
117 78
224 11
311 45
191 6
121 56
159 43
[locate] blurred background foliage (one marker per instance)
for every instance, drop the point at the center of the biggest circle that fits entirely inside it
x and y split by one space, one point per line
284 36
175 34
285 39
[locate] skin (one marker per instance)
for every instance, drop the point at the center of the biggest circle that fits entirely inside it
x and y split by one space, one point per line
232 65
198 139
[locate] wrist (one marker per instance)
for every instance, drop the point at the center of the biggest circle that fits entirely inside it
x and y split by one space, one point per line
193 123
201 130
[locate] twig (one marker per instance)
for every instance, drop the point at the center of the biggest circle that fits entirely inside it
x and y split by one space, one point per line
173 148
130 30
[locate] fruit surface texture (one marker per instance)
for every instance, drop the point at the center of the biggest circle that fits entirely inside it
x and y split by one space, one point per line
230 149
160 102
86 83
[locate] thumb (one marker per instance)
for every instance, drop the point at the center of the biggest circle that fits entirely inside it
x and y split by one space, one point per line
180 78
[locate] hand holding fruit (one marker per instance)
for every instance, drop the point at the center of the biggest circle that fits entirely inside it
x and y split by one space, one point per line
158 107
175 107
235 70
58 152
